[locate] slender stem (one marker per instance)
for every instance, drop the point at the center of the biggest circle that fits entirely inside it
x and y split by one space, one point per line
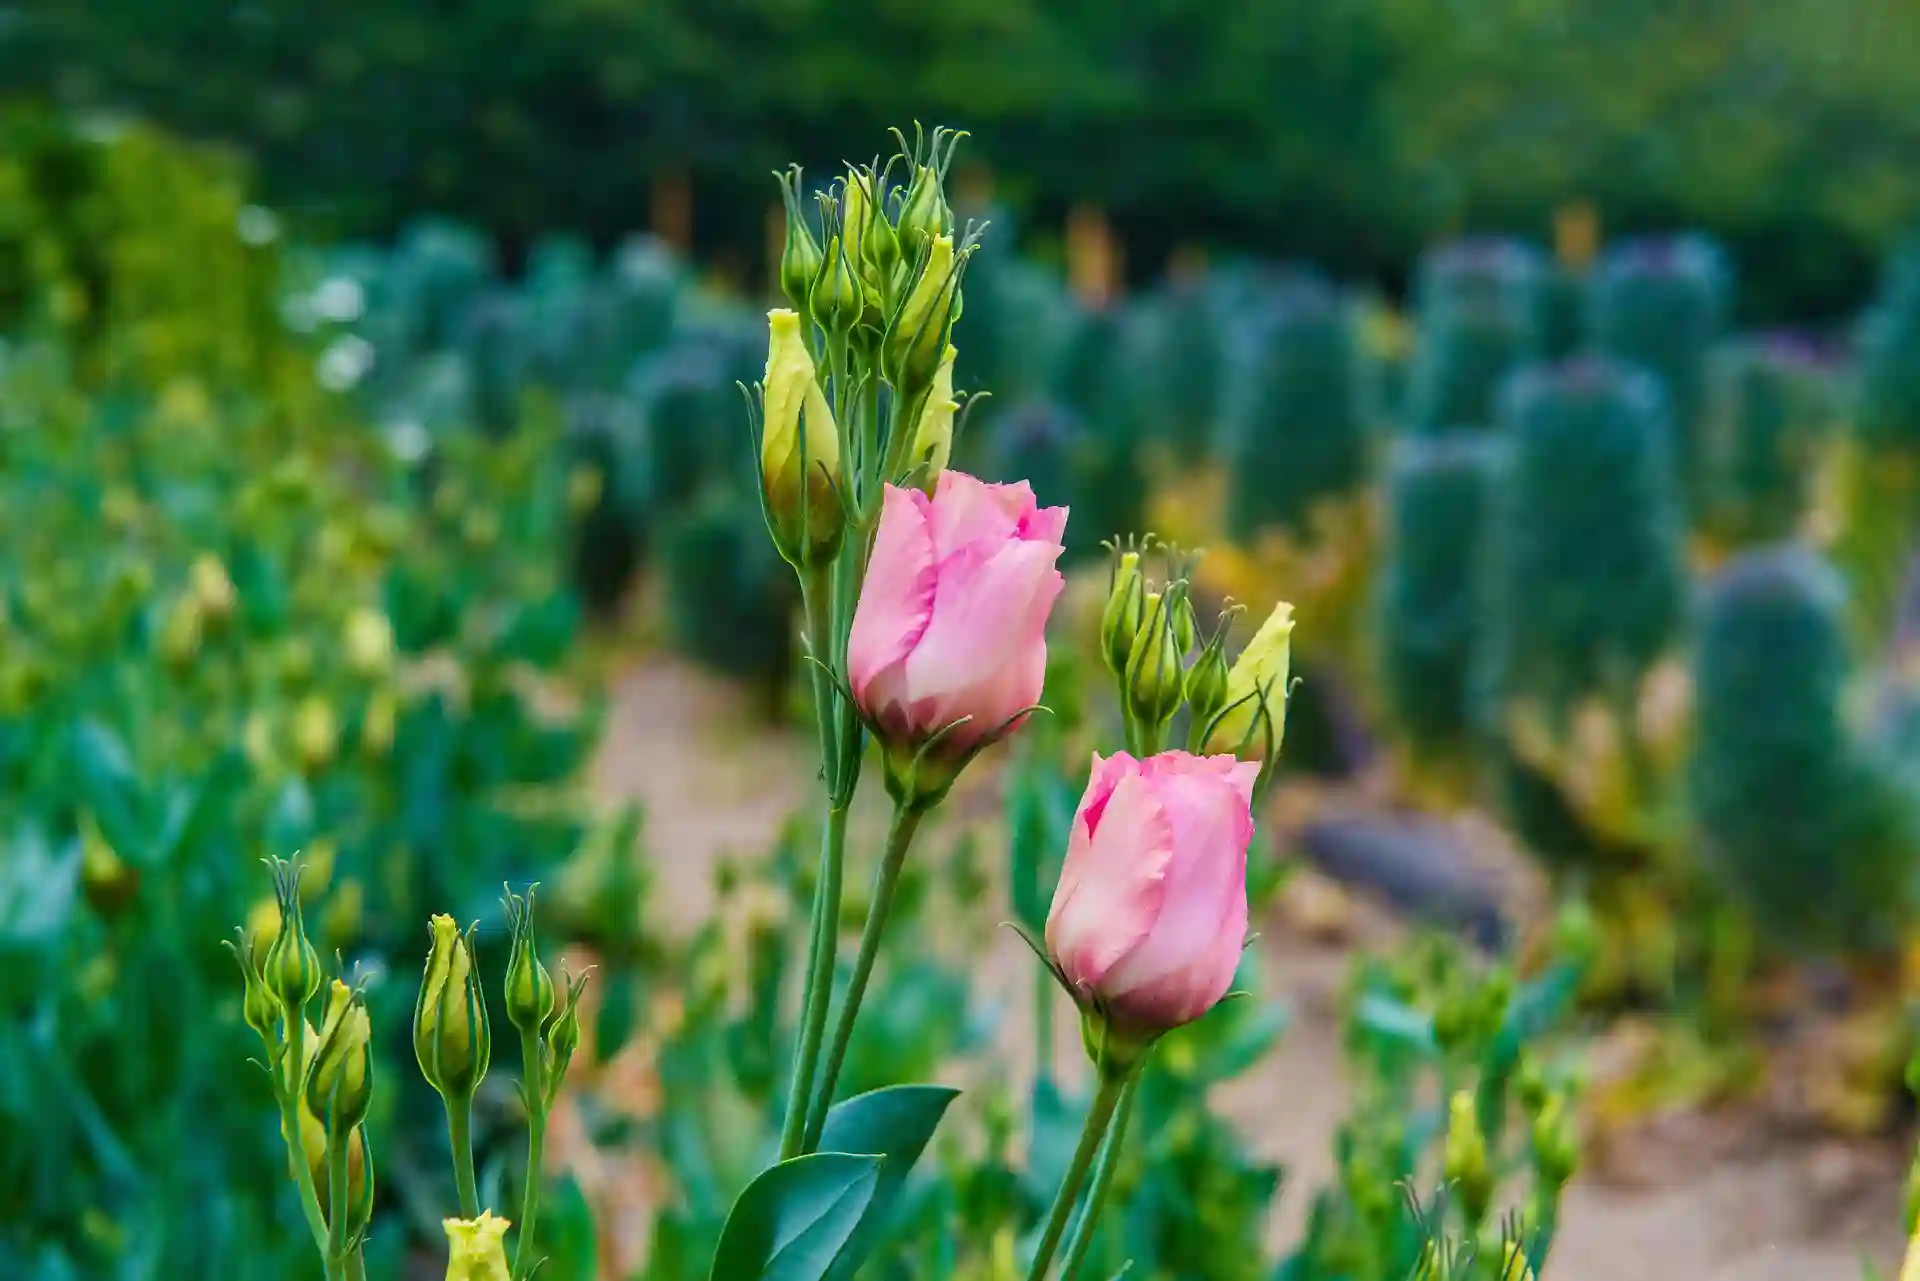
288 1086
338 1147
536 1091
460 1136
906 821
1105 1099
356 1269
1081 1238
826 939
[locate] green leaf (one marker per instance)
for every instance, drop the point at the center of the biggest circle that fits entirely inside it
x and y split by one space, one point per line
793 1221
895 1123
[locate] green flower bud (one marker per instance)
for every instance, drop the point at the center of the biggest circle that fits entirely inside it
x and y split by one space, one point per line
918 334
476 1249
1155 679
801 258
1207 681
292 967
359 1174
799 450
530 995
925 214
1556 1144
1465 1159
260 1007
563 1038
109 881
451 1037
181 634
340 1082
1126 610
836 299
1185 629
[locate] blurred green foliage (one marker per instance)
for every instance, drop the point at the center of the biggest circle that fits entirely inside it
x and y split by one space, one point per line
1785 127
234 623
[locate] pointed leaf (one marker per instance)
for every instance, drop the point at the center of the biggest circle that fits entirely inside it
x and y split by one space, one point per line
896 1123
793 1221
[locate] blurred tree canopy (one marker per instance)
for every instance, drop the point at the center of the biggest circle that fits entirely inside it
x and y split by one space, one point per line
1345 131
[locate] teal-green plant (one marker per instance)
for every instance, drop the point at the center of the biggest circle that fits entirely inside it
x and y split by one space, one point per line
1480 304
1588 583
1300 425
1661 303
1801 818
1768 410
1432 605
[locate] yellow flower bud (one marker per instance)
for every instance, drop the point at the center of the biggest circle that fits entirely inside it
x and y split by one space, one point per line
340 1081
316 732
933 434
1464 1158
1256 717
476 1249
377 725
917 337
803 511
369 642
451 1037
212 589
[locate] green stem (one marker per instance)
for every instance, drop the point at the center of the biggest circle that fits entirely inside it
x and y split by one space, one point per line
906 820
826 940
288 1087
460 1137
1082 1237
1105 1099
356 1269
337 1153
536 1092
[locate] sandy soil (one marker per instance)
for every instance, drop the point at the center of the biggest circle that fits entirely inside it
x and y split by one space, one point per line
1694 1199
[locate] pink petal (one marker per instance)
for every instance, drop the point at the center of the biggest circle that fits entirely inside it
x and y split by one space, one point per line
1045 525
896 600
1183 995
990 609
1111 886
1102 778
1180 964
967 510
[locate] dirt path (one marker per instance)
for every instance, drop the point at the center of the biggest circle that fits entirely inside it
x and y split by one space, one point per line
1709 1207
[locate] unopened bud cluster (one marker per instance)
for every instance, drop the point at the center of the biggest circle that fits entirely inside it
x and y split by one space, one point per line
1151 642
872 277
323 1076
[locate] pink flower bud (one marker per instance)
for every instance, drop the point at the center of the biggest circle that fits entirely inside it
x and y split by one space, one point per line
953 614
1150 916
